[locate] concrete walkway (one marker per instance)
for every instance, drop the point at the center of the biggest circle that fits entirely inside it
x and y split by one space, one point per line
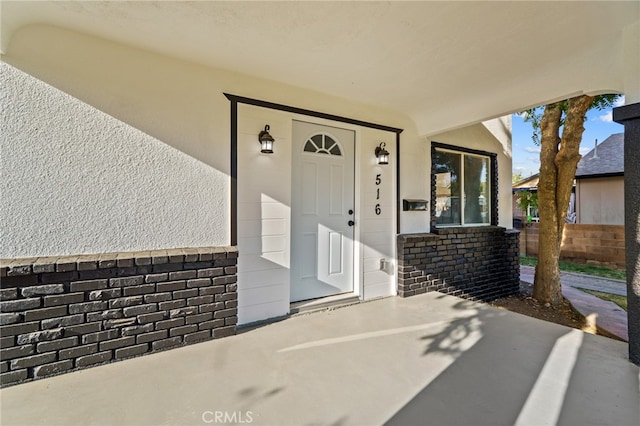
428 359
600 313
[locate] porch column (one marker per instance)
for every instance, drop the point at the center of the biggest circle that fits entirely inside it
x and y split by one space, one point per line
629 116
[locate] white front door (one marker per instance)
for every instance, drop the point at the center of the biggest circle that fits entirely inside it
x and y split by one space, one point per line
322 213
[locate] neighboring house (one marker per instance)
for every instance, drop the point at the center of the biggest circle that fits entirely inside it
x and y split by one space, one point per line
598 192
171 171
600 183
529 184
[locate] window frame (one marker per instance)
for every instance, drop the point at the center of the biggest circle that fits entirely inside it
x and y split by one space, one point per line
493 184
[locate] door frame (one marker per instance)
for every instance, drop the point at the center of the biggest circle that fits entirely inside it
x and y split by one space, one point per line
233 154
361 156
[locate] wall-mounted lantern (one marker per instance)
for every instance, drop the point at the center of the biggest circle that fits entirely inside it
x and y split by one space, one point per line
266 141
382 154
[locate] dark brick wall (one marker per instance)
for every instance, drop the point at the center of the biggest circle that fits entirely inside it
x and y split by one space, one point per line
62 314
478 263
629 116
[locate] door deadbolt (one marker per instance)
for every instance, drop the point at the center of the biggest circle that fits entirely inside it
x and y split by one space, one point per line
350 211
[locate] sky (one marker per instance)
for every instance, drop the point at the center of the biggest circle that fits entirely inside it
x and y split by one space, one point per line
526 154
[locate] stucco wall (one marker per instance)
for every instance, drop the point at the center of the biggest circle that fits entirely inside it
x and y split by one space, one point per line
152 133
600 201
153 136
76 180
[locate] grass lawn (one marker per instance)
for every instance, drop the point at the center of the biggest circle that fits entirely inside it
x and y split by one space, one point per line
618 300
580 268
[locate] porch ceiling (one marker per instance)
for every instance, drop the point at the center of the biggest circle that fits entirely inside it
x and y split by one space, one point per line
443 64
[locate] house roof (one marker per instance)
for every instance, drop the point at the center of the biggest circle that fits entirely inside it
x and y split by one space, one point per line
445 65
606 159
528 183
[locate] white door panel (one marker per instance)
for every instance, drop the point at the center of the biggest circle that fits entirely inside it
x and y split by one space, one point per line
310 184
335 253
336 195
322 206
308 244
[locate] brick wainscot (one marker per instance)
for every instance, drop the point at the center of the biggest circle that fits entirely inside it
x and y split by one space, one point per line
477 263
66 313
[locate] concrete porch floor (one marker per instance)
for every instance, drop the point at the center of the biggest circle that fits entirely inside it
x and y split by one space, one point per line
428 359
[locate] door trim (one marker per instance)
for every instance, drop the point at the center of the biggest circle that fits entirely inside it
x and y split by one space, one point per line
235 100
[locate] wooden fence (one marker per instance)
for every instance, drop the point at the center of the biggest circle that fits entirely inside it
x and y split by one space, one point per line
593 244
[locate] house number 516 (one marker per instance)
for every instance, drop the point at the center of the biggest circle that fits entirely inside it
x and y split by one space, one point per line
378 182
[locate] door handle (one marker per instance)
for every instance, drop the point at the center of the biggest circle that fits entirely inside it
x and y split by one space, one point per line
351 223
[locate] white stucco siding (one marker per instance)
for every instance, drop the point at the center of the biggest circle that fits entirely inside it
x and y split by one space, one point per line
631 59
76 180
178 102
123 149
156 168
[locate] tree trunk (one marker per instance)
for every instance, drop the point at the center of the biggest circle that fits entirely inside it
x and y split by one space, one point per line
559 159
546 284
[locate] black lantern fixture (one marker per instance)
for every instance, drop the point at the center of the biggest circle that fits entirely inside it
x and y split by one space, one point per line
382 154
266 141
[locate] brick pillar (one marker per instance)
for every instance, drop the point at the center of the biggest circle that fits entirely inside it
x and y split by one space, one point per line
629 116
